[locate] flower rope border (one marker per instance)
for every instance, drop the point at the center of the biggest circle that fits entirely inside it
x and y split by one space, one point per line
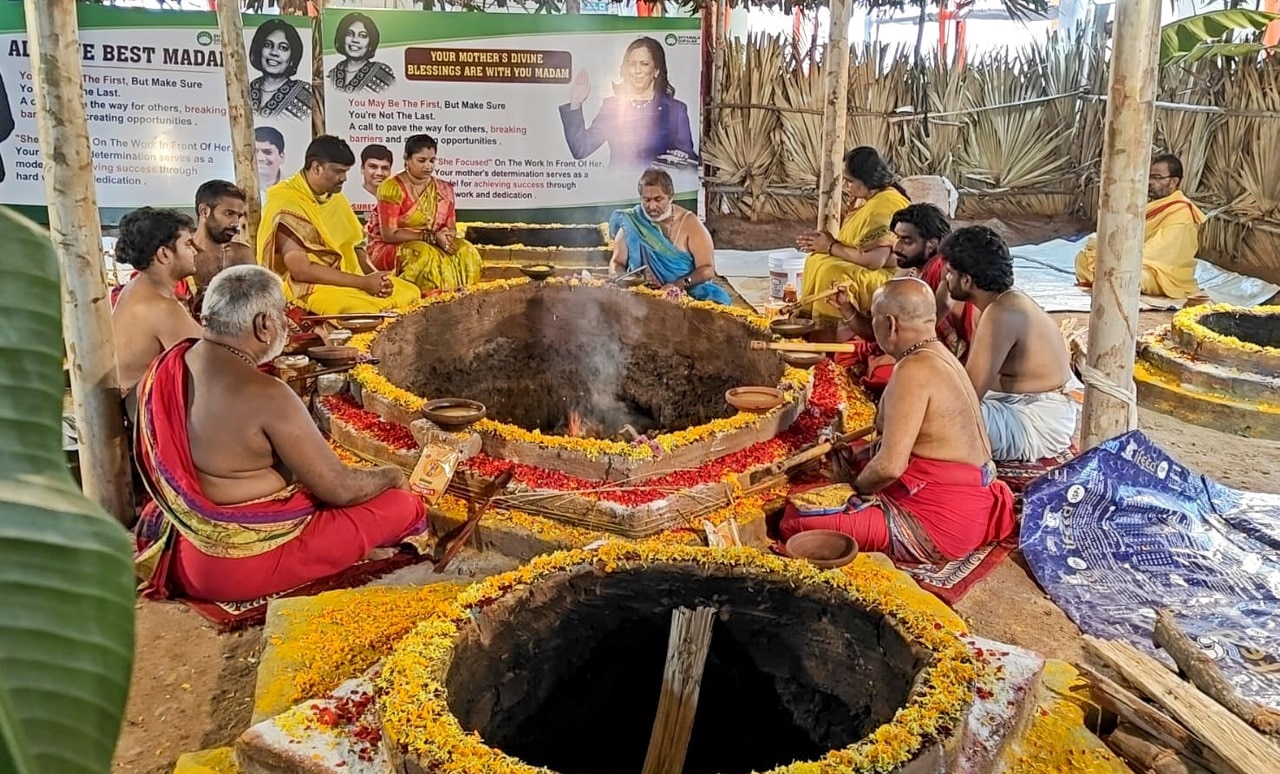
1188 322
794 380
414 706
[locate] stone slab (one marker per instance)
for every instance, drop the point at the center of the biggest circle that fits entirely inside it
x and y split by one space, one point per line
1056 740
288 648
298 741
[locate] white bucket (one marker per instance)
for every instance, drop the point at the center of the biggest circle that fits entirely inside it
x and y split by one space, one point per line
785 266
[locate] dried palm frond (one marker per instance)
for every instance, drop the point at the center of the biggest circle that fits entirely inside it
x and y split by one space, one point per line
742 145
1019 146
877 85
929 144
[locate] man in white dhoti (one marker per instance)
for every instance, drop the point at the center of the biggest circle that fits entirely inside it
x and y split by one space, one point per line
1018 360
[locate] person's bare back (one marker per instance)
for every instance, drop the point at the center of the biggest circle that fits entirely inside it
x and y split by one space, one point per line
1037 359
950 428
235 459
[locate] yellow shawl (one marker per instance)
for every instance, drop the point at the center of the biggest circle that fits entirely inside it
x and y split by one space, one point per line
328 229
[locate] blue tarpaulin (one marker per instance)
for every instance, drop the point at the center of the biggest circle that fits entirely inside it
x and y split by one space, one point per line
1124 530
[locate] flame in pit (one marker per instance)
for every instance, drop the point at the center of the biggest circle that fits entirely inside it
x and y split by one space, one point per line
577 427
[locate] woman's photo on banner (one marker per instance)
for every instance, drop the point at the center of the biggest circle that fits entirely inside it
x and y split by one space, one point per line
642 121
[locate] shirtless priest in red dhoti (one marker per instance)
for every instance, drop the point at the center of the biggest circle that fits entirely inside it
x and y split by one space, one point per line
929 493
249 499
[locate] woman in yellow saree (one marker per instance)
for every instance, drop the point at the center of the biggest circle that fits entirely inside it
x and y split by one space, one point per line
860 256
417 228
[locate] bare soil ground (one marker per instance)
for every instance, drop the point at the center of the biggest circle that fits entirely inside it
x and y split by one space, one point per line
193 688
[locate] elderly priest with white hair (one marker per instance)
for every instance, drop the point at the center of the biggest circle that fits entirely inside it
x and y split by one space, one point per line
249 499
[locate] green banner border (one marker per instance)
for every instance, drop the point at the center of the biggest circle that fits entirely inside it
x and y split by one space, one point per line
406 28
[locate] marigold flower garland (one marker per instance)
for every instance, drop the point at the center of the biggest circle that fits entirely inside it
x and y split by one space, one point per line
1188 321
414 703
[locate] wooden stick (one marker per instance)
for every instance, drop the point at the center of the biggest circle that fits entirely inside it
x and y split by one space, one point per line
1206 676
803 346
451 545
349 316
1131 709
818 450
74 225
814 297
1147 755
687 648
1224 733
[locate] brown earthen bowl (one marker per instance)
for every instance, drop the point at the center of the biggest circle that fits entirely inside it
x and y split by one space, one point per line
802 359
791 327
538 271
823 548
757 399
453 413
331 357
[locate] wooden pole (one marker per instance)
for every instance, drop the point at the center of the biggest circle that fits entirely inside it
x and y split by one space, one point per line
687 647
835 115
1126 157
54 40
235 64
317 70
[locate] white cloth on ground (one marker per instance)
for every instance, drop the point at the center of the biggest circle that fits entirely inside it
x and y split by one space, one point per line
1026 427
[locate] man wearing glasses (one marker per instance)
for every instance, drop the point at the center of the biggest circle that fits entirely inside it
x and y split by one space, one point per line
1170 239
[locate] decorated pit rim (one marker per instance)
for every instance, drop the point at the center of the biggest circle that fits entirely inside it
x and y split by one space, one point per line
1188 323
413 701
793 382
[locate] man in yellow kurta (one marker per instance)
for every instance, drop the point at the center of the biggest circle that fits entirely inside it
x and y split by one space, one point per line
1170 239
310 237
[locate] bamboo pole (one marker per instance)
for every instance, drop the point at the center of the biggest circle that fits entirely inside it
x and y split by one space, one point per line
54 41
235 65
317 70
687 647
835 115
1126 156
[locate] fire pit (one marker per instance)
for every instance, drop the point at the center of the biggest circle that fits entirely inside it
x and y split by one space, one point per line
600 393
1216 366
559 665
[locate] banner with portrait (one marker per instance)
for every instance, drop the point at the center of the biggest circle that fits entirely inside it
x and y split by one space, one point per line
538 118
156 99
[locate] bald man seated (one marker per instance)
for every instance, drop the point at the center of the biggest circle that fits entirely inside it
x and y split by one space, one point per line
929 493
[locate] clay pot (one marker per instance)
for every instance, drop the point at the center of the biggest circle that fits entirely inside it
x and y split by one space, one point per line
824 548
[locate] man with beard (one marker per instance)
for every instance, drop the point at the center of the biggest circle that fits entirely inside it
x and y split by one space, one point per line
1018 361
261 504
669 242
311 238
147 315
919 228
1171 236
220 209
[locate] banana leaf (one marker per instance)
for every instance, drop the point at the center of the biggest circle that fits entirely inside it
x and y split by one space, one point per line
66 578
1208 34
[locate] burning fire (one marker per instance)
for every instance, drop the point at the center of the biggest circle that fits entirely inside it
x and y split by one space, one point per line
577 427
